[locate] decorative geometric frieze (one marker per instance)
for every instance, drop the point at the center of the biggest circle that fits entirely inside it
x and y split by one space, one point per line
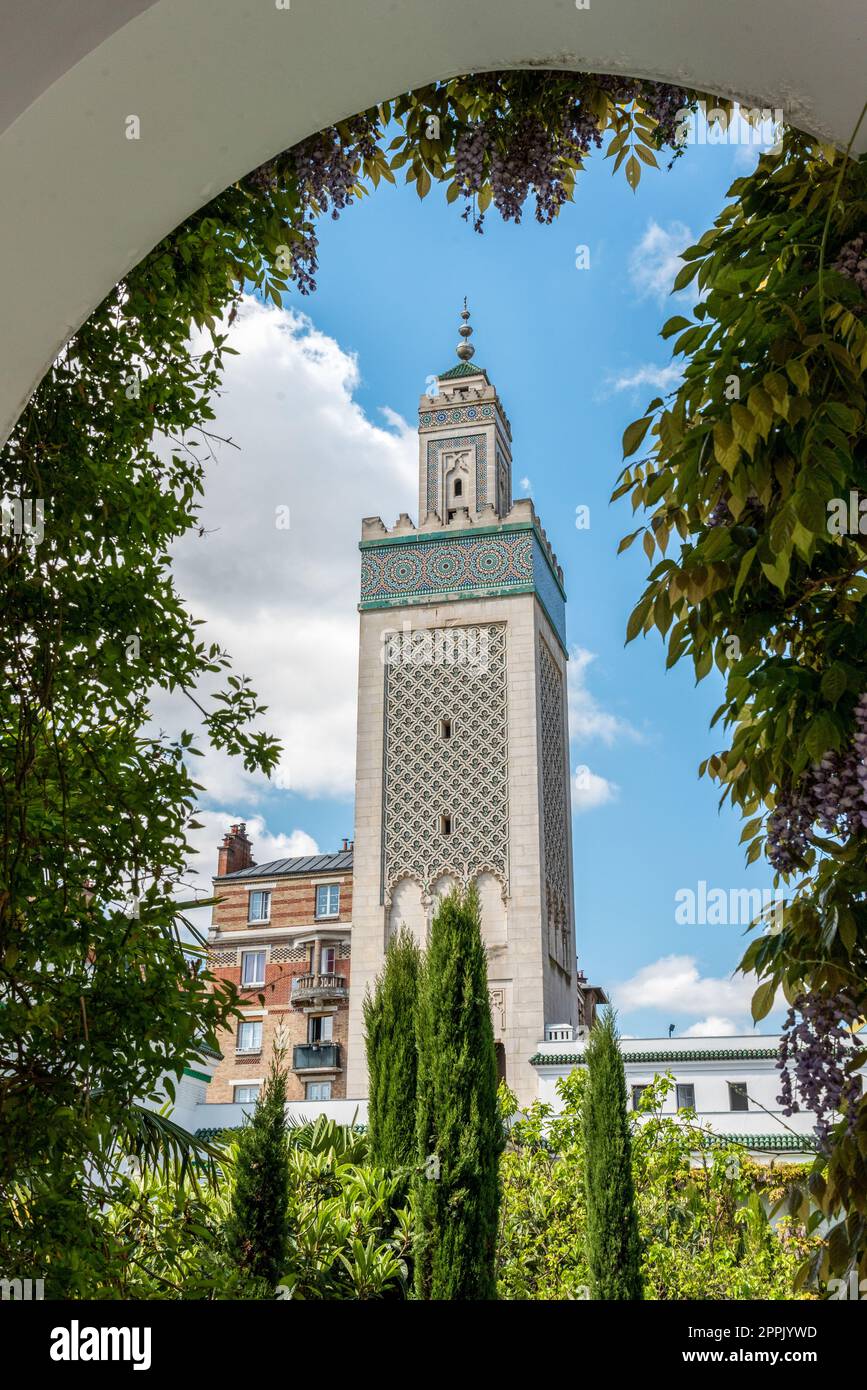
430 419
445 785
455 564
446 564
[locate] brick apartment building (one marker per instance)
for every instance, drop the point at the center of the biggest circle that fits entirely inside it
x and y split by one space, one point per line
281 932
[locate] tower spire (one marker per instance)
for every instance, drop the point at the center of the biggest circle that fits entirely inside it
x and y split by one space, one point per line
465 349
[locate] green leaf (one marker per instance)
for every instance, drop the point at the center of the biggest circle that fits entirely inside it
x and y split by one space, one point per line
743 571
676 324
799 375
834 682
683 276
763 1000
636 620
634 434
627 540
822 734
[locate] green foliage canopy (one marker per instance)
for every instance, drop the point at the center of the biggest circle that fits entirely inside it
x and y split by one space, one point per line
744 467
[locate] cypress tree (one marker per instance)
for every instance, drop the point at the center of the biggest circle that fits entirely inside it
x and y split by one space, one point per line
613 1244
460 1136
256 1228
392 1055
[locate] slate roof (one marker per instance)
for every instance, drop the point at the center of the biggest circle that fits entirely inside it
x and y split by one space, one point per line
306 864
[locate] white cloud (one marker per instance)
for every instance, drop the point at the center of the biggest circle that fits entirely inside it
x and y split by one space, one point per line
675 984
526 487
655 261
587 718
202 863
714 1026
659 378
283 601
590 790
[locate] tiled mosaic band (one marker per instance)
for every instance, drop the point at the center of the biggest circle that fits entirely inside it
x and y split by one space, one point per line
418 569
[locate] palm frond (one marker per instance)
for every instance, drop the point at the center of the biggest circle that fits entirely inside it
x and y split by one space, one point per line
157 1143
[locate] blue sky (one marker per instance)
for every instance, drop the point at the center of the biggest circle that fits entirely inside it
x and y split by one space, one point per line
561 345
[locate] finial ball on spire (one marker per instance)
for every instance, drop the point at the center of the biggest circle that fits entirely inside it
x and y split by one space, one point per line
465 349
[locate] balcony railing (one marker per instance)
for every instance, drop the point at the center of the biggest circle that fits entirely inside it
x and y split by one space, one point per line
324 1056
309 987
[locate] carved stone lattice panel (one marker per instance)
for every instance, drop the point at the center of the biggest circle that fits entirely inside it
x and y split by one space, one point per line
555 805
446 797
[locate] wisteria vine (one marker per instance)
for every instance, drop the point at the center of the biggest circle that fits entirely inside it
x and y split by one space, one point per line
832 794
814 1063
495 138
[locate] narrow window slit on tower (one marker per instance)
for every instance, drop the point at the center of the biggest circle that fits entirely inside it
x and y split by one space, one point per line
445 825
445 728
459 487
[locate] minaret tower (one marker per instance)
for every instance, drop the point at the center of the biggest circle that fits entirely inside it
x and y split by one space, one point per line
462 771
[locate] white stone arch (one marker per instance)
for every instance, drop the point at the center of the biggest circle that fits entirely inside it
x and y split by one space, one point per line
407 908
440 888
459 479
492 909
68 86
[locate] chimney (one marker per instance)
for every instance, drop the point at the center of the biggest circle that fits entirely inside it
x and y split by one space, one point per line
345 844
236 851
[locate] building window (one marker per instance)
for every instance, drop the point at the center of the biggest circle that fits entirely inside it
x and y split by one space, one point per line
320 1028
459 487
250 1037
328 900
685 1096
445 728
738 1096
637 1093
252 968
328 960
318 1090
259 907
244 1095
445 825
